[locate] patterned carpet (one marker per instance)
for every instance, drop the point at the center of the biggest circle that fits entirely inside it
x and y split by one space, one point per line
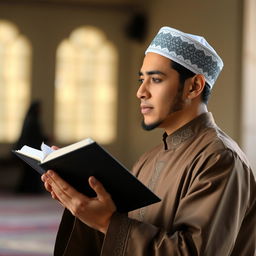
28 225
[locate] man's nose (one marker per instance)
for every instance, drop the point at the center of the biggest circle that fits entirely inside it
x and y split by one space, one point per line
143 91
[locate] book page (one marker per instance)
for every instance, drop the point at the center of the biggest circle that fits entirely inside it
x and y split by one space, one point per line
69 148
46 150
31 152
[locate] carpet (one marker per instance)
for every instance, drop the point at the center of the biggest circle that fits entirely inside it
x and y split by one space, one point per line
28 225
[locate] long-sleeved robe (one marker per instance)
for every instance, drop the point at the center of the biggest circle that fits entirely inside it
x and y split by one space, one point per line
208 205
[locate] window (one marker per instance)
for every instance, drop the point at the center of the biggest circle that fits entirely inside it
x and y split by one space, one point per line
15 61
86 91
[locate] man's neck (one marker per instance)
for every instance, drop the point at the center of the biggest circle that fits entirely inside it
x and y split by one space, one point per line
180 118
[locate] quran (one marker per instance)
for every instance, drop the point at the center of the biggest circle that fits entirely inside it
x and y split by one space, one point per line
75 163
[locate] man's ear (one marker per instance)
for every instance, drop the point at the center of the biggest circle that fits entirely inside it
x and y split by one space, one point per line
196 86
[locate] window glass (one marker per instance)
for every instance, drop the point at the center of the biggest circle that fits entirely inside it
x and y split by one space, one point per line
15 65
85 88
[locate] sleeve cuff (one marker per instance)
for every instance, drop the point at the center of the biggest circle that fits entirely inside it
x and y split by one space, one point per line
116 237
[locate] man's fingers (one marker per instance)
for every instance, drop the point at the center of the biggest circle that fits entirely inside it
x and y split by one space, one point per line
56 179
62 190
54 147
48 187
46 184
102 194
59 186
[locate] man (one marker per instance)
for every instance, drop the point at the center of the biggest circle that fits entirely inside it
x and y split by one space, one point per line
207 188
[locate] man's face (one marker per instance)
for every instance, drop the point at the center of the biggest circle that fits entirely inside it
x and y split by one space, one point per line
160 92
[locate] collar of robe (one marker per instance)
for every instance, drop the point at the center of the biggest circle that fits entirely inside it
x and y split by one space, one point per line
188 131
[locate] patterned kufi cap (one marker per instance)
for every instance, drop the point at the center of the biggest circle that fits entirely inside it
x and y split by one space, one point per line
190 51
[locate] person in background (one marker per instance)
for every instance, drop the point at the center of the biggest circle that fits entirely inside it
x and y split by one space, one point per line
31 135
207 187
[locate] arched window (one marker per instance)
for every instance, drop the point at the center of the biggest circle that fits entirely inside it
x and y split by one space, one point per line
86 90
15 63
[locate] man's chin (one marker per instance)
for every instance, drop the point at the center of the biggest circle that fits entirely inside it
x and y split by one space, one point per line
149 127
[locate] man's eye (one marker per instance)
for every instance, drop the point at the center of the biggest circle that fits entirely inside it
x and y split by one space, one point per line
156 80
140 80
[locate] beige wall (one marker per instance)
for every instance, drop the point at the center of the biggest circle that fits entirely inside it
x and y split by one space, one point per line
219 21
46 25
249 89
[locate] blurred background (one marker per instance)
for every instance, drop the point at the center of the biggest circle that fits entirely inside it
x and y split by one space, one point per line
80 59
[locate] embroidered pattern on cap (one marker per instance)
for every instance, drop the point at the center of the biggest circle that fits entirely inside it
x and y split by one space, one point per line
188 52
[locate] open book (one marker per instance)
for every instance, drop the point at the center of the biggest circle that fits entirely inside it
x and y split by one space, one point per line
77 162
47 153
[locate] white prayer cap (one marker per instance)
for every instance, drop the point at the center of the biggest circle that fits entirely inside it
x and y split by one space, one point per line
190 51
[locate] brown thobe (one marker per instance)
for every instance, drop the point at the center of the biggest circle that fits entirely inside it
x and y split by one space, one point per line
208 205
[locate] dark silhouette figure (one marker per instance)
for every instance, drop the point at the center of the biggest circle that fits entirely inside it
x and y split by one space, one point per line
31 135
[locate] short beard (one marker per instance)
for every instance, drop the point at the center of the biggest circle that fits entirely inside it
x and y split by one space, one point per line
177 106
149 127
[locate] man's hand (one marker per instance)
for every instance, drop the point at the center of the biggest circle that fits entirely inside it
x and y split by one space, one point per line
94 212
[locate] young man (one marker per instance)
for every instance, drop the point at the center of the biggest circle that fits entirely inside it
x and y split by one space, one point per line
207 188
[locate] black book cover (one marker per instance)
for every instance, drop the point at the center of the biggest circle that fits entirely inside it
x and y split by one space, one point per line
77 166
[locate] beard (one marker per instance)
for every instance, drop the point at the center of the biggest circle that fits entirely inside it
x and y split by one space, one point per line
149 127
175 107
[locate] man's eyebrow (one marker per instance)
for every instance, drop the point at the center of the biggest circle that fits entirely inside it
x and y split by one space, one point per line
152 72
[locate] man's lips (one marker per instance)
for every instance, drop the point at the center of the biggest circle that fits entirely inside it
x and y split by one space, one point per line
145 109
